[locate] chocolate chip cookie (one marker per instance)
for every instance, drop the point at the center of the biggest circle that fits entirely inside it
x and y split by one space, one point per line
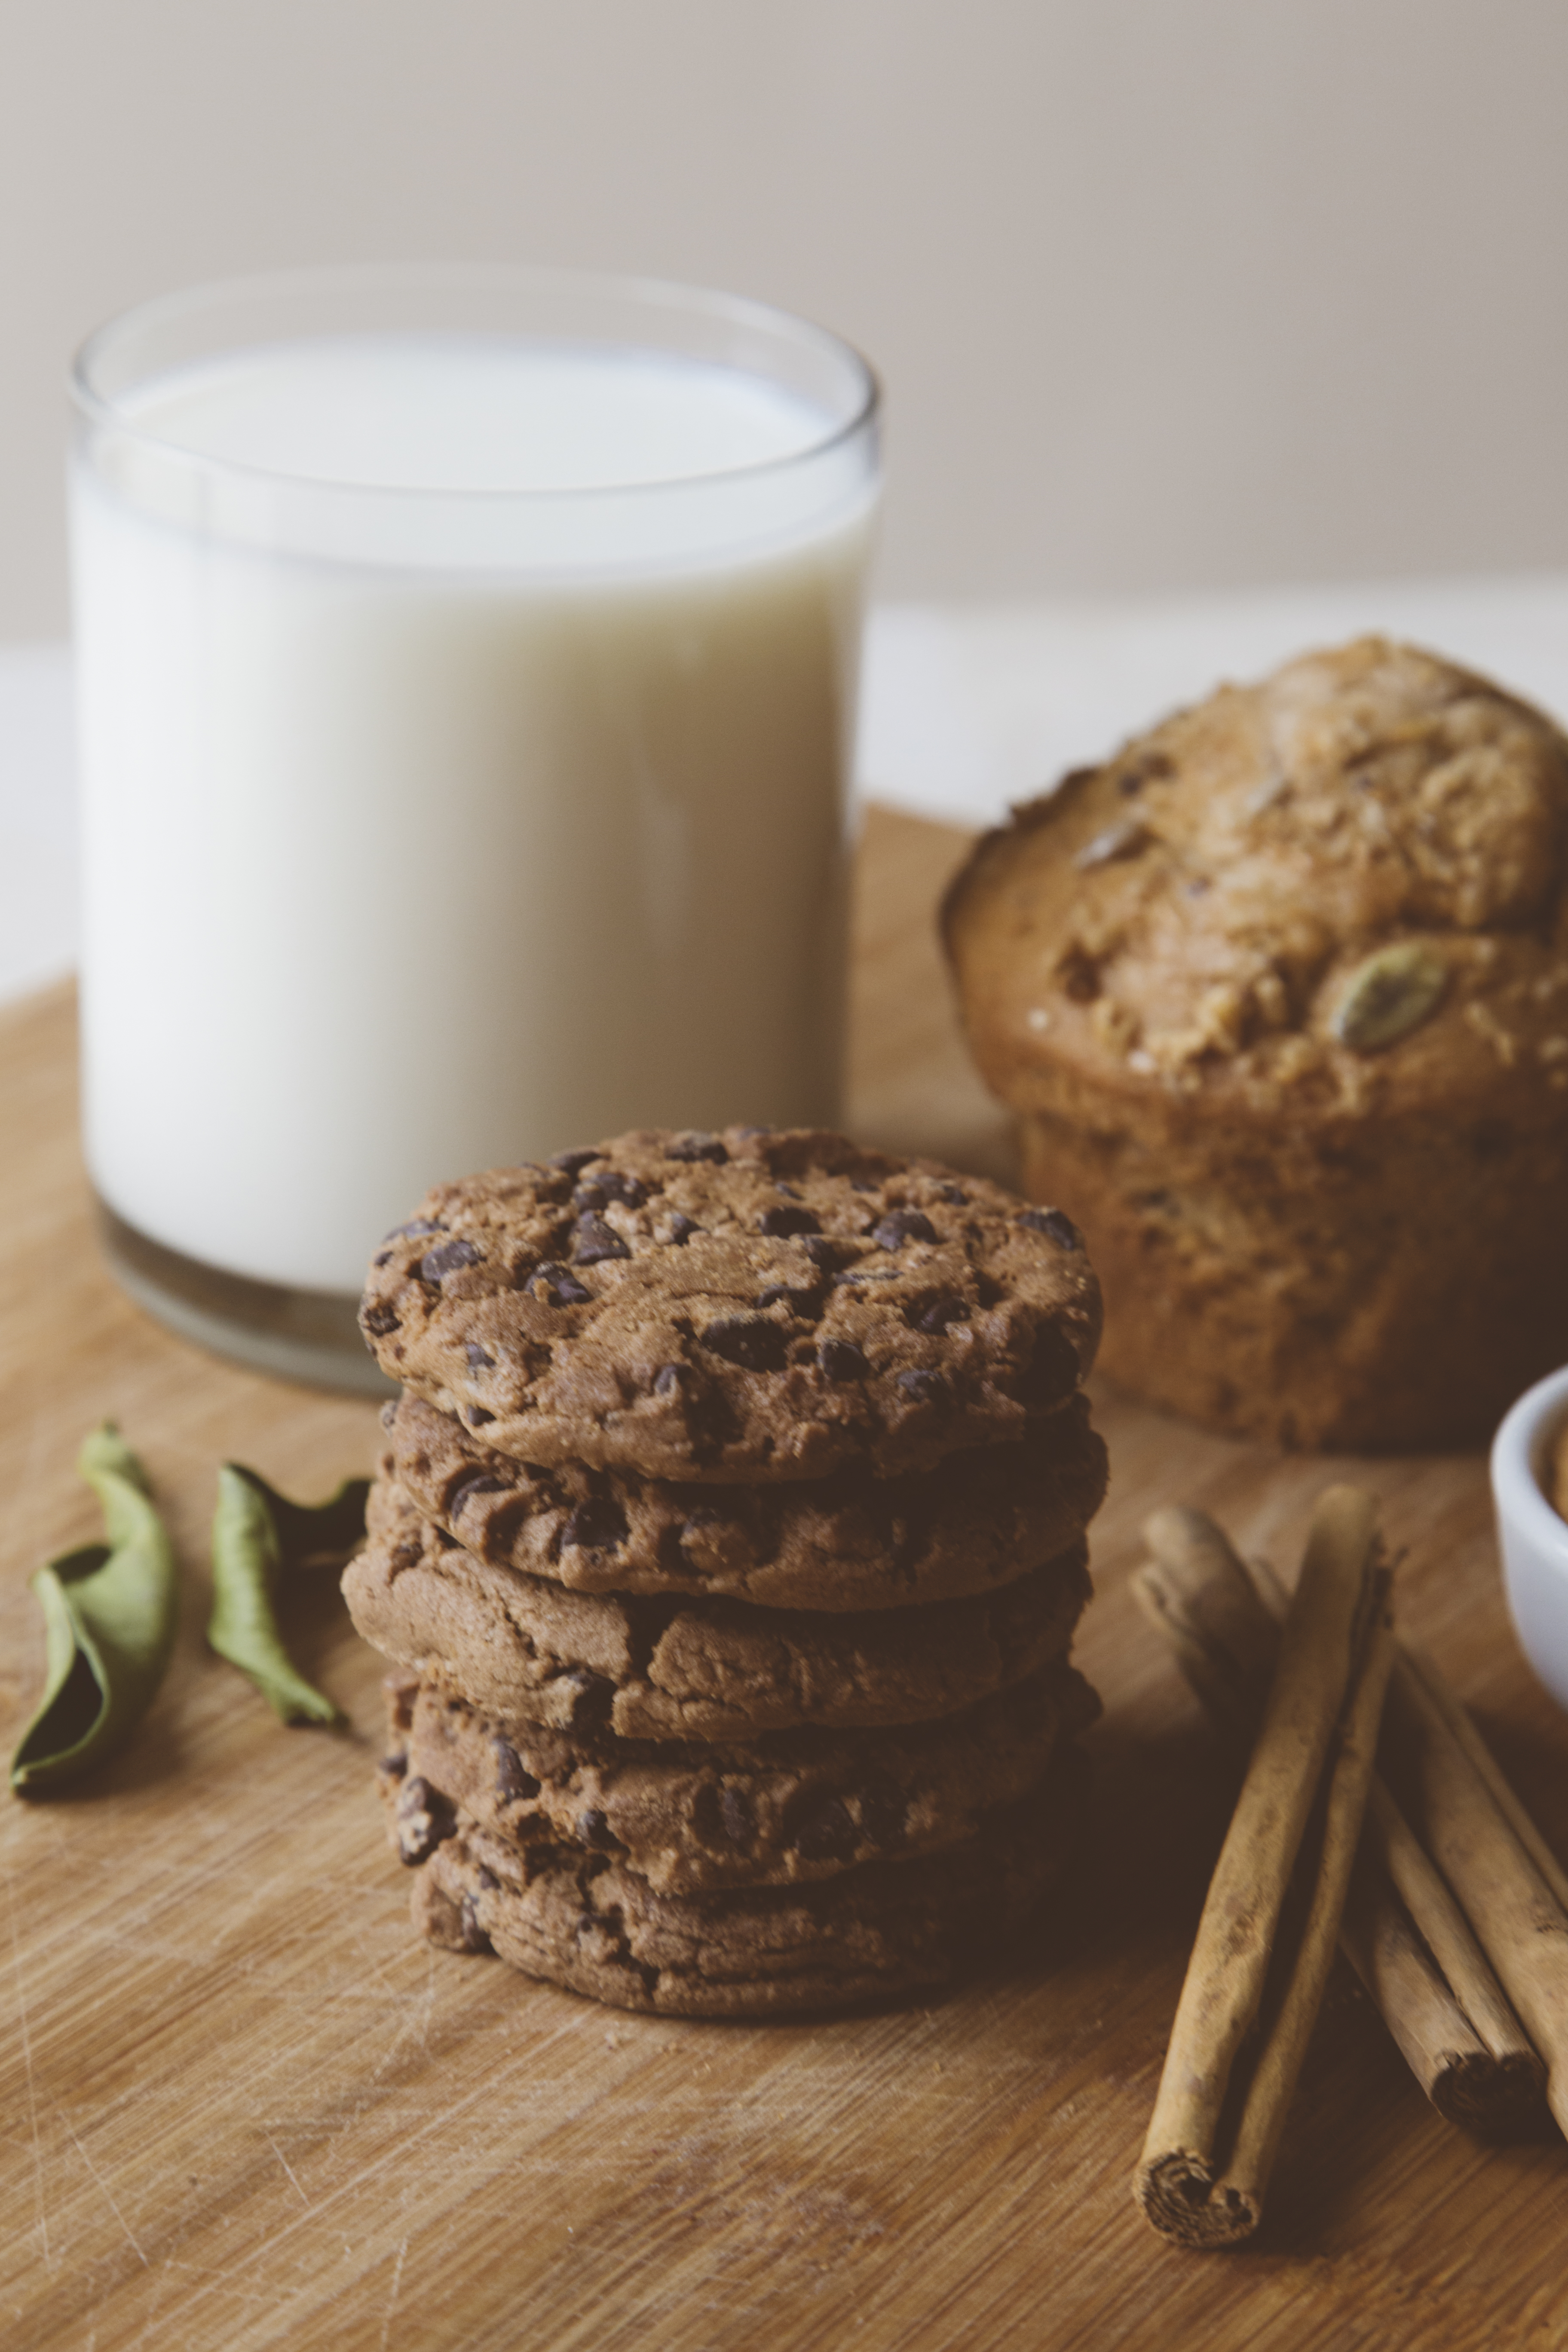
588 1922
850 1542
752 1305
687 1817
676 1668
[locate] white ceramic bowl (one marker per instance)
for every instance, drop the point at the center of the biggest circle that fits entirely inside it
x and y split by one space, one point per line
1534 1539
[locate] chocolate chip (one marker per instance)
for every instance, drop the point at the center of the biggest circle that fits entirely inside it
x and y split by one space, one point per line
736 1814
1052 1371
609 1184
474 1938
382 1257
721 1816
379 1320
387 1416
596 1241
594 1697
806 1303
923 1388
597 1525
828 1834
821 1251
511 1780
1080 975
957 1194
883 1808
447 1258
667 1380
572 1161
681 1230
749 1340
1051 1221
424 1818
902 1225
414 1225
595 1830
488 1882
841 1359
461 1494
696 1146
779 1223
936 1317
480 1359
447 1542
394 1766
558 1285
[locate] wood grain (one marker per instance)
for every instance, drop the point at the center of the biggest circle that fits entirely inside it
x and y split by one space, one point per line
242 2107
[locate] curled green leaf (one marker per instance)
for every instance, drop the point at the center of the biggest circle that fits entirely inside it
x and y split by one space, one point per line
110 1614
258 1535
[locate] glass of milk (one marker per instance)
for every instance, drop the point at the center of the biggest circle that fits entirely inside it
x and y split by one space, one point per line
466 666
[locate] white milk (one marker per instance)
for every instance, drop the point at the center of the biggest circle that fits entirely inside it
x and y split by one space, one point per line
428 828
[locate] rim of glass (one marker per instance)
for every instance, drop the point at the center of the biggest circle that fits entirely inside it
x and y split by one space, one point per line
654 293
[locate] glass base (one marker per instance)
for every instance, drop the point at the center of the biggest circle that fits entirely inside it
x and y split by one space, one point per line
296 1334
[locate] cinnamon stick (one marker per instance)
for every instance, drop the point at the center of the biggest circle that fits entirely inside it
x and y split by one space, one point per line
1462 1726
1403 1932
1517 1918
1494 2098
1279 2062
1212 2141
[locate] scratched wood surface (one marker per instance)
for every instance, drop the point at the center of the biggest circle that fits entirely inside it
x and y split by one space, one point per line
242 2107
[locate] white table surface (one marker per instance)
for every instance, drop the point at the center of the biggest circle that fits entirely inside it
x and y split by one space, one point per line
964 709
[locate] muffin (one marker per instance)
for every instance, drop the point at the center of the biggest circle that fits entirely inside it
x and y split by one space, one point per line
1279 996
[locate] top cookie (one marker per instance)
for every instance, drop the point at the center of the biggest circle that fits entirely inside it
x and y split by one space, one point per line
757 1305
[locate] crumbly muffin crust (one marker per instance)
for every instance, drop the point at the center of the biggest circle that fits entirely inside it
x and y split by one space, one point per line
849 1541
752 1305
1197 919
1281 992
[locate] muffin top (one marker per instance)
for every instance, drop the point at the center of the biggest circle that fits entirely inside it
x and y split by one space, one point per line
1343 890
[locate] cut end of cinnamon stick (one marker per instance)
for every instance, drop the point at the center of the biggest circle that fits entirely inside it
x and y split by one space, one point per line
1179 2196
1496 2099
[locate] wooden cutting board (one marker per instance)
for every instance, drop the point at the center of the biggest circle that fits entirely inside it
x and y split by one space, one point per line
241 2105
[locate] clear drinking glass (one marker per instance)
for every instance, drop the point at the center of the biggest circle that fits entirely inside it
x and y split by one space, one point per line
467 665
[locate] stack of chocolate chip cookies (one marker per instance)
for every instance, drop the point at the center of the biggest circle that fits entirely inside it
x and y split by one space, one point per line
731 1534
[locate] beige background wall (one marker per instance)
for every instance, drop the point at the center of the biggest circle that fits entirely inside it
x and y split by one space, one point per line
1165 292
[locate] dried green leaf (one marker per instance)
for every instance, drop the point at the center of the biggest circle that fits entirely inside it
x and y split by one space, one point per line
1389 995
109 1615
258 1534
